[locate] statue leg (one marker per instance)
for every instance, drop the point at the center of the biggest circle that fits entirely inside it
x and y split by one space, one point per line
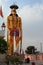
11 44
17 42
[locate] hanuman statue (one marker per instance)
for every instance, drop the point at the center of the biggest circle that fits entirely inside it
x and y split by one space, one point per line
14 29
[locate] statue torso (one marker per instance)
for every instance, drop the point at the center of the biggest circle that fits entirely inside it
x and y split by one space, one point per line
14 21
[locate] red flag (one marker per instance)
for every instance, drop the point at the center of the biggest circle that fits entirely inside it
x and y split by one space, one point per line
1 13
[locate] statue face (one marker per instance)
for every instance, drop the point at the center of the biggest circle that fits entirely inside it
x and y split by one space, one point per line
13 12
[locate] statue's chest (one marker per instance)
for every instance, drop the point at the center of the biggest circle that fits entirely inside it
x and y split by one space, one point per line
13 19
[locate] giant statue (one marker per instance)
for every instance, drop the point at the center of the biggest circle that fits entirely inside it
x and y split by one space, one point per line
14 29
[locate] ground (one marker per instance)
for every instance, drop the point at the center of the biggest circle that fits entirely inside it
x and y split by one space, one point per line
36 63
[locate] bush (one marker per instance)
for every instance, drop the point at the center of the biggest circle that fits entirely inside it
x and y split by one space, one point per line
3 46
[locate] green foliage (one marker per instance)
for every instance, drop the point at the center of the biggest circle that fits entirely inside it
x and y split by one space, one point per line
15 59
3 46
30 50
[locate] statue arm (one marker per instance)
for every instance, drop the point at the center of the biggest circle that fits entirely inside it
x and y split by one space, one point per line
8 23
20 25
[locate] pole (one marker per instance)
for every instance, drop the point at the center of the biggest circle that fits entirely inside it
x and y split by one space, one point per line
41 47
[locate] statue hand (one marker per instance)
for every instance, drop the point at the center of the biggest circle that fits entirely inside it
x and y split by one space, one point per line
20 38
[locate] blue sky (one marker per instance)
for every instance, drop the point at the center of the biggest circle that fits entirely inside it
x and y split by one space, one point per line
21 3
31 12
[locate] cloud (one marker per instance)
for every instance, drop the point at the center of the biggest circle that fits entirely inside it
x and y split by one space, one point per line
31 13
32 20
32 16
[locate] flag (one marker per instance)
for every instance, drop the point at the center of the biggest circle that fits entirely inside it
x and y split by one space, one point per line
1 13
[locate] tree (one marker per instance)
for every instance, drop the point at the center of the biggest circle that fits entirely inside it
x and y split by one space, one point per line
3 46
30 50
